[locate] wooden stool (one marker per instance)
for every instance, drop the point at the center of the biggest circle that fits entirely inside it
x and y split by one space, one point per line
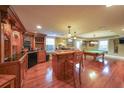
71 65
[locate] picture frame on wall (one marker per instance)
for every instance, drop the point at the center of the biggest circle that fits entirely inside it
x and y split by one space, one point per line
70 42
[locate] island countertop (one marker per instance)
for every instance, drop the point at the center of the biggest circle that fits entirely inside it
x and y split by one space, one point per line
59 60
63 52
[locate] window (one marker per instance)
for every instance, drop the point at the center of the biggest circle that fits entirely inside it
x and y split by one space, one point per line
78 44
50 44
103 45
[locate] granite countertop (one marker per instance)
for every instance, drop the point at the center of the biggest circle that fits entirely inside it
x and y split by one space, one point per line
20 55
34 51
63 52
15 57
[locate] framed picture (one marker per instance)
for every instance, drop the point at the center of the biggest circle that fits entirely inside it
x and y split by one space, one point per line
70 42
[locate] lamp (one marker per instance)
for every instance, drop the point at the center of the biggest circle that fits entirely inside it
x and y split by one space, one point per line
70 35
94 42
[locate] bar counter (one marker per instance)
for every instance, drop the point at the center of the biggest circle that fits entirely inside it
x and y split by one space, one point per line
59 58
35 57
16 57
63 52
16 65
7 81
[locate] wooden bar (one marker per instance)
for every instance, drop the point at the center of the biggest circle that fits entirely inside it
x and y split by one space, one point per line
17 68
3 15
13 57
7 81
13 62
41 56
59 58
36 44
0 41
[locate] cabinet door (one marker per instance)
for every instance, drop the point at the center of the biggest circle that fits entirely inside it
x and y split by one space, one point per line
41 56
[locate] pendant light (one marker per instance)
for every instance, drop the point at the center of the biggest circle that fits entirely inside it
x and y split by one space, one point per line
75 35
69 33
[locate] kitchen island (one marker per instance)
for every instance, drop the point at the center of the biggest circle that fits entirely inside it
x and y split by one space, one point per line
59 59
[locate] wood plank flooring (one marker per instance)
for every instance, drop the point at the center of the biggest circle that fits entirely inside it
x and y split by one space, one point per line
109 74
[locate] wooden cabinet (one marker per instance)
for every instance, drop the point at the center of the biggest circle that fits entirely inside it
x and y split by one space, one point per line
11 33
6 48
7 81
40 44
40 41
41 56
17 68
59 63
23 67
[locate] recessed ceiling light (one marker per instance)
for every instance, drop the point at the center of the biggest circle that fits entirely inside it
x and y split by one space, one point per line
39 27
122 29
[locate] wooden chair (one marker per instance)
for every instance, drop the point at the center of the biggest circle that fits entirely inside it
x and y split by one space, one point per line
71 65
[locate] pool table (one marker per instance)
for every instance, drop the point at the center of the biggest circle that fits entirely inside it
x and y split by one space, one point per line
95 54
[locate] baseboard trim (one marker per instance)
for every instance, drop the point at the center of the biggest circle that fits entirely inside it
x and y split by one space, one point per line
115 57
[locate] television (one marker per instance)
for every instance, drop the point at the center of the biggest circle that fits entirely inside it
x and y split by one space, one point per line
121 40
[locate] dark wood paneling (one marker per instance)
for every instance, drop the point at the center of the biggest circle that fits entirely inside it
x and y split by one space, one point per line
12 68
41 56
17 68
0 37
7 81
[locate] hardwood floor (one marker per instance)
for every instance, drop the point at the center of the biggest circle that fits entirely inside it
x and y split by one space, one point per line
109 74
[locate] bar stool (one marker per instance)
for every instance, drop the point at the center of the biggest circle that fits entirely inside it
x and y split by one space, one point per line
71 65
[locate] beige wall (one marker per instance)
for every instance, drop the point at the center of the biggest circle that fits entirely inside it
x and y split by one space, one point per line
92 47
63 41
121 50
60 41
88 47
111 46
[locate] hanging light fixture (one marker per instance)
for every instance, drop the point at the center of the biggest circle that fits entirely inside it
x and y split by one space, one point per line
69 33
75 35
94 42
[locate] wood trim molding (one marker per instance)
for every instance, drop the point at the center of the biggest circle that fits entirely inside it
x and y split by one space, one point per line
15 21
0 39
3 12
17 68
3 7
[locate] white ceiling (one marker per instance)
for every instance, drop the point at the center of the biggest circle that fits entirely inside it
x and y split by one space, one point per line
92 19
98 34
